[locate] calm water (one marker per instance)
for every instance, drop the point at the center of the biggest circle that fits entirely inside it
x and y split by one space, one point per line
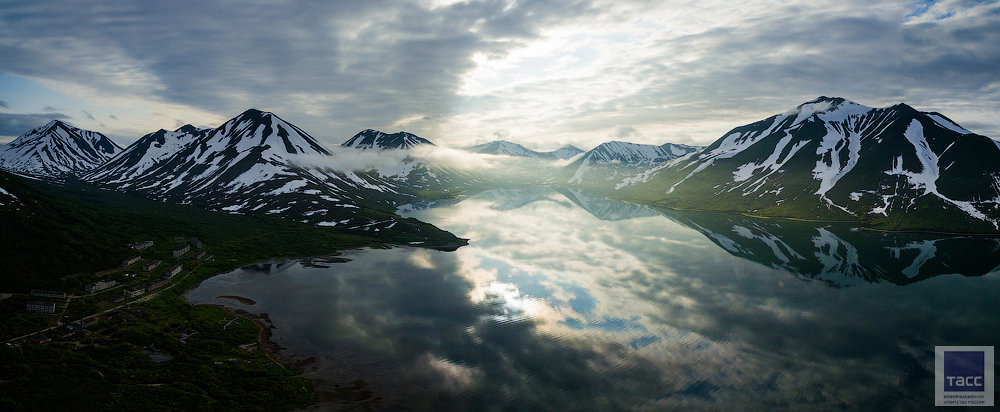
566 302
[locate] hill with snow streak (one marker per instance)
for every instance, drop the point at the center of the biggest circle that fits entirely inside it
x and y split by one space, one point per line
254 163
55 149
830 158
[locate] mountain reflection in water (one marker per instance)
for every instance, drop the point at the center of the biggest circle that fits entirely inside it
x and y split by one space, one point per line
564 301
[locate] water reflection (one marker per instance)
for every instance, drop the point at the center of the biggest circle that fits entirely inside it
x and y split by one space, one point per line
567 302
841 254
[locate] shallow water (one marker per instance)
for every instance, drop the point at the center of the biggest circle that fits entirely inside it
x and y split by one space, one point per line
567 302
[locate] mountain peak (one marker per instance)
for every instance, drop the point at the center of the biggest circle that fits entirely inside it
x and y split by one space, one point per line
374 139
824 104
253 112
57 123
57 148
188 128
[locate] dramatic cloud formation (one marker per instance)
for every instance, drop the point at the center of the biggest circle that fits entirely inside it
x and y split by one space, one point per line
18 124
546 72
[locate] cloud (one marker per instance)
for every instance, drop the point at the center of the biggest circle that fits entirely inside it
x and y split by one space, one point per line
50 109
12 124
387 162
624 133
454 158
501 135
4 104
364 63
88 115
546 71
393 162
113 116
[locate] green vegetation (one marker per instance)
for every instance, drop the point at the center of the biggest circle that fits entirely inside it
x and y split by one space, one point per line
63 230
215 365
215 360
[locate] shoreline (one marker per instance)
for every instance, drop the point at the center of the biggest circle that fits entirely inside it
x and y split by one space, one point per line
799 219
263 321
264 333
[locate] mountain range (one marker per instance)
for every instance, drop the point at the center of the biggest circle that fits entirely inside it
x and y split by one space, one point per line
828 159
253 163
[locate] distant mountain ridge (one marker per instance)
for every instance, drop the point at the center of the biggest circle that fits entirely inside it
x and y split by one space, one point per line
831 158
613 161
503 147
56 148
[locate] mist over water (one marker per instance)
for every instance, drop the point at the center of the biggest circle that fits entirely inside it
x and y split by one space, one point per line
567 302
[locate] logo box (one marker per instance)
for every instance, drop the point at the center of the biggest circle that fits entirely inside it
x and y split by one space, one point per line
963 376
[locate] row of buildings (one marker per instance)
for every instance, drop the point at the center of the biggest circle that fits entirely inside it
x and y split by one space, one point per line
148 286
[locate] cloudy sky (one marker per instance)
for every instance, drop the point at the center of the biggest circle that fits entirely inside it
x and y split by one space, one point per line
537 72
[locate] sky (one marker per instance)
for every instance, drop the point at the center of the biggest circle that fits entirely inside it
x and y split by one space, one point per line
536 72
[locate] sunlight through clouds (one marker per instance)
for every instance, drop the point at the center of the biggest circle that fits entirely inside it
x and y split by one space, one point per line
550 72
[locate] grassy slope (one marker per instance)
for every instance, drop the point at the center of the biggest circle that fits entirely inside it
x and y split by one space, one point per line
65 230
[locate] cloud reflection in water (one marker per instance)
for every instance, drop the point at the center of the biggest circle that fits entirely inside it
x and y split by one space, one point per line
552 308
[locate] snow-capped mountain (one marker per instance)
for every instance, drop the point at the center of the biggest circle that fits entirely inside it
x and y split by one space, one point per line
505 148
613 161
55 149
146 153
254 163
831 158
373 139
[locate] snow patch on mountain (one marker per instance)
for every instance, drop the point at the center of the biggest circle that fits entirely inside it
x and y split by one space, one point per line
829 172
926 178
947 123
8 198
